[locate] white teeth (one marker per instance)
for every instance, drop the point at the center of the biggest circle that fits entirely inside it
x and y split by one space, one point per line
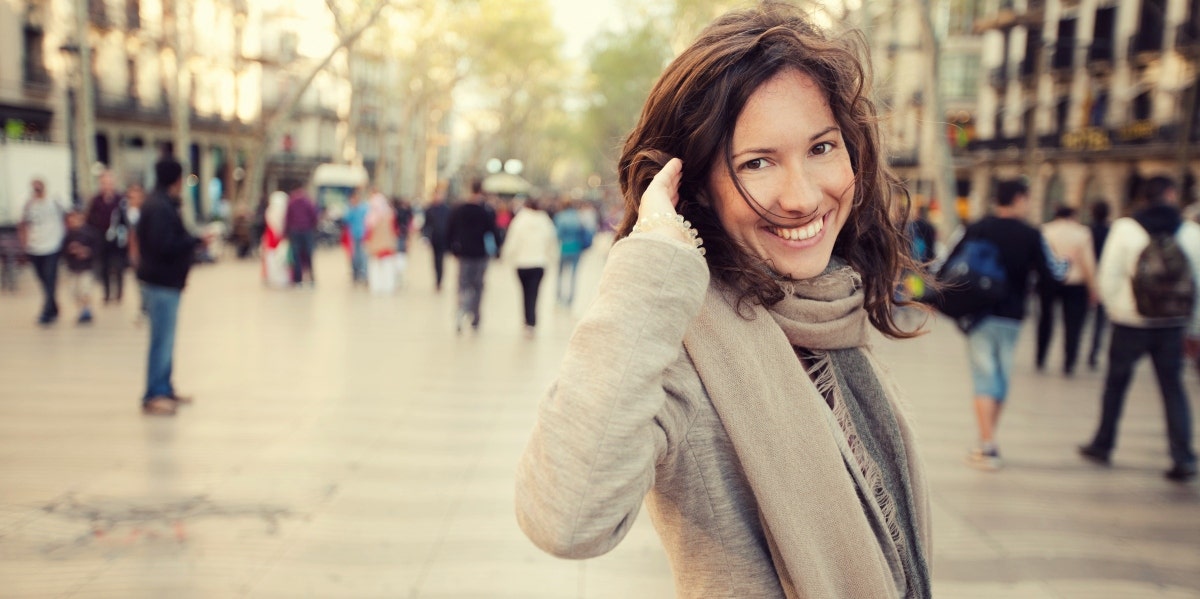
800 233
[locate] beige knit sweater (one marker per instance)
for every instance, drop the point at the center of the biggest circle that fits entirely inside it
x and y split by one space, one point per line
629 420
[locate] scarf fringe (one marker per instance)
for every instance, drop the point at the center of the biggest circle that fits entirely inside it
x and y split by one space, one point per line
820 369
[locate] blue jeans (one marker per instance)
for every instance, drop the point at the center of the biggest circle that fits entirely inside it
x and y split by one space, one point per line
566 281
991 345
1125 348
302 243
162 306
46 268
471 272
358 260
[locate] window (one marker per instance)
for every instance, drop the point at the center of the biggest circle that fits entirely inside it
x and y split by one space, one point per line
34 64
1098 110
1189 31
1149 36
960 76
133 14
1103 35
132 70
1062 109
963 14
1064 46
98 12
1033 43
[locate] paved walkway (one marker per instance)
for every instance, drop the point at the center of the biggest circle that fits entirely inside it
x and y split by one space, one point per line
350 445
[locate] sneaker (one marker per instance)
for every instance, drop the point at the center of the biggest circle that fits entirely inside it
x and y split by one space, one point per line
1181 473
984 460
1094 455
85 317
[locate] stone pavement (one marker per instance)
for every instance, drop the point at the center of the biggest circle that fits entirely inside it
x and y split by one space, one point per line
350 445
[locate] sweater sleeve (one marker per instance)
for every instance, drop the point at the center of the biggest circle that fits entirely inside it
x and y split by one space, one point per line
591 458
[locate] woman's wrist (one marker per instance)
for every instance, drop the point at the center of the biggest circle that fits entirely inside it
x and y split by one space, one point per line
672 225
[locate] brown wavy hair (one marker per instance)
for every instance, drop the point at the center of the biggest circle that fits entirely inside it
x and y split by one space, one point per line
691 114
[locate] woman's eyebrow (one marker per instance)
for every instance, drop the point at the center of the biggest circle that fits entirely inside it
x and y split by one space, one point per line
764 150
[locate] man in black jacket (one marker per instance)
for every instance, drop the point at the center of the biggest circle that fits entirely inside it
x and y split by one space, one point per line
469 225
166 250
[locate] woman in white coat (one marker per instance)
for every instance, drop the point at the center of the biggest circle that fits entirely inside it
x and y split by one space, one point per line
529 246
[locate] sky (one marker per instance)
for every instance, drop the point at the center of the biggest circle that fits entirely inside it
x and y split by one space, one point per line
580 20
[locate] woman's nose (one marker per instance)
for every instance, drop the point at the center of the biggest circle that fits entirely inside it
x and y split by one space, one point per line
801 193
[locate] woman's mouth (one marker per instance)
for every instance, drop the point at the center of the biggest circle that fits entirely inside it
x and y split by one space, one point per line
799 233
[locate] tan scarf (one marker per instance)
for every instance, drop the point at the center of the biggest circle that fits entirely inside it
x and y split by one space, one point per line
796 458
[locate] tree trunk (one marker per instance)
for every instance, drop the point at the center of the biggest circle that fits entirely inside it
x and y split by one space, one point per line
181 95
942 162
85 119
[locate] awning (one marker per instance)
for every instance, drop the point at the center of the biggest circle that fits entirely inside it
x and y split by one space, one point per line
506 184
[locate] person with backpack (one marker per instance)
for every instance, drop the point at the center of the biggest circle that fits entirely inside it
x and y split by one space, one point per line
985 283
1148 275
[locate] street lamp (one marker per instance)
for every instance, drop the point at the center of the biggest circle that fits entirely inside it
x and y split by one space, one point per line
70 55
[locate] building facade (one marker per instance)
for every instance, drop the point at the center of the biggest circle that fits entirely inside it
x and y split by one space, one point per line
1088 98
915 124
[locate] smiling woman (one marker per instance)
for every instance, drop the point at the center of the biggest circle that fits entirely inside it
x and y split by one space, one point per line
733 389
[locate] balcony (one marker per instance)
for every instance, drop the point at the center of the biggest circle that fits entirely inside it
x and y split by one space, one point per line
126 108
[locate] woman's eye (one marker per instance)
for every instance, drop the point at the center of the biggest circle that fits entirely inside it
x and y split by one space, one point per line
755 164
823 148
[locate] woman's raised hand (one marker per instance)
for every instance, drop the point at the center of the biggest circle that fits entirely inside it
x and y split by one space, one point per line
659 202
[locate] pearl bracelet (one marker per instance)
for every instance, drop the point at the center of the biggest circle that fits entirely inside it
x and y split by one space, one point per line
647 222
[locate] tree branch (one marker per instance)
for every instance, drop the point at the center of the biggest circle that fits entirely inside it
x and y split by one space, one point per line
345 41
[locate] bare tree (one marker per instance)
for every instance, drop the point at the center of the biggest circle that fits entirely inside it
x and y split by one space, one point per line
269 127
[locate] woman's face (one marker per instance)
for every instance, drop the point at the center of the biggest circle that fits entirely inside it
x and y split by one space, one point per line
789 154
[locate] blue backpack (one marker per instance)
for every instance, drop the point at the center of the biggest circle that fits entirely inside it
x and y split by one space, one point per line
973 281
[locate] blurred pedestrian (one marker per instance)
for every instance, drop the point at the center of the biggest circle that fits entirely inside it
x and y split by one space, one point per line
573 239
735 393
1148 276
356 233
529 247
1099 228
992 340
41 232
135 196
108 218
81 246
469 225
275 246
435 229
1069 240
167 251
404 221
380 244
300 227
